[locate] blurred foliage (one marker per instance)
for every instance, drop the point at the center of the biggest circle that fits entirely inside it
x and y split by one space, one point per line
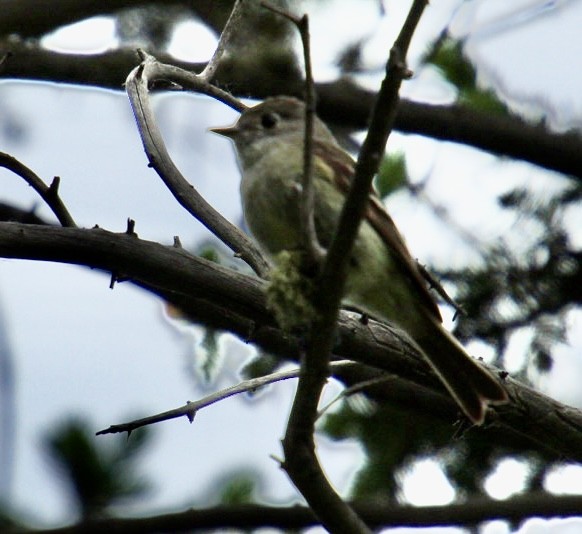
262 364
264 45
447 56
149 26
238 488
392 174
99 473
8 519
508 291
394 439
210 362
210 254
214 250
534 289
390 437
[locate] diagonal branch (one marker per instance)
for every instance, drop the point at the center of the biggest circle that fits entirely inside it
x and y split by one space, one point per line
137 89
298 444
210 69
191 408
50 194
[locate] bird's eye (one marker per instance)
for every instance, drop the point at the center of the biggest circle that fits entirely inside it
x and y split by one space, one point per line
269 120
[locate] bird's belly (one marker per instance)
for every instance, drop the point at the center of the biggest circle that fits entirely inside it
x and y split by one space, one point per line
375 283
273 220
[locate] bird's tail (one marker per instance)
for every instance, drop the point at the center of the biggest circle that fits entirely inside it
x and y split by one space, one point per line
469 382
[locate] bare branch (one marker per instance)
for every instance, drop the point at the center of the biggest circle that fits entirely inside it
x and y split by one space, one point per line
221 298
210 70
301 462
50 194
340 102
312 246
300 459
298 443
314 250
188 197
296 517
437 286
190 409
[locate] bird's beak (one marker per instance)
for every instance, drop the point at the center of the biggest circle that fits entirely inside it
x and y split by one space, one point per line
229 131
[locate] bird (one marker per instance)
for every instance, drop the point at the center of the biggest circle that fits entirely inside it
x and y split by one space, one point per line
383 278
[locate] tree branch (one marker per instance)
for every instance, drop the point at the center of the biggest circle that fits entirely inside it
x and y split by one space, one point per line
137 85
301 462
298 444
310 242
341 103
296 517
224 299
30 18
50 194
190 409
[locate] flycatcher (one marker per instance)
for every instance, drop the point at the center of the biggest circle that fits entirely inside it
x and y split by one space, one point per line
383 278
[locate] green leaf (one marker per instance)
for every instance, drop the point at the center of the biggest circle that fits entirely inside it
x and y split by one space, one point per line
261 365
98 472
392 174
448 57
209 344
240 489
210 253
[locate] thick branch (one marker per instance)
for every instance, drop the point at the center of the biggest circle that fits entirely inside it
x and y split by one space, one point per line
377 515
31 18
227 300
340 102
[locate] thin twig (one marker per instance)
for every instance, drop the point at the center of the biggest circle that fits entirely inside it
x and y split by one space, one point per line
190 409
208 73
442 292
298 444
315 252
159 158
313 247
50 194
301 462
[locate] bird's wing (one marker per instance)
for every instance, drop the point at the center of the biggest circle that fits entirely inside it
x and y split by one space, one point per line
342 165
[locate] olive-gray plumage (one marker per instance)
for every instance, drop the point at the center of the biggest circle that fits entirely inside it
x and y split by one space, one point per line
383 278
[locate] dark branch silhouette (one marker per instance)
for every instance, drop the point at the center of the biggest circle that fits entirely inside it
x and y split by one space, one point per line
341 103
296 517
